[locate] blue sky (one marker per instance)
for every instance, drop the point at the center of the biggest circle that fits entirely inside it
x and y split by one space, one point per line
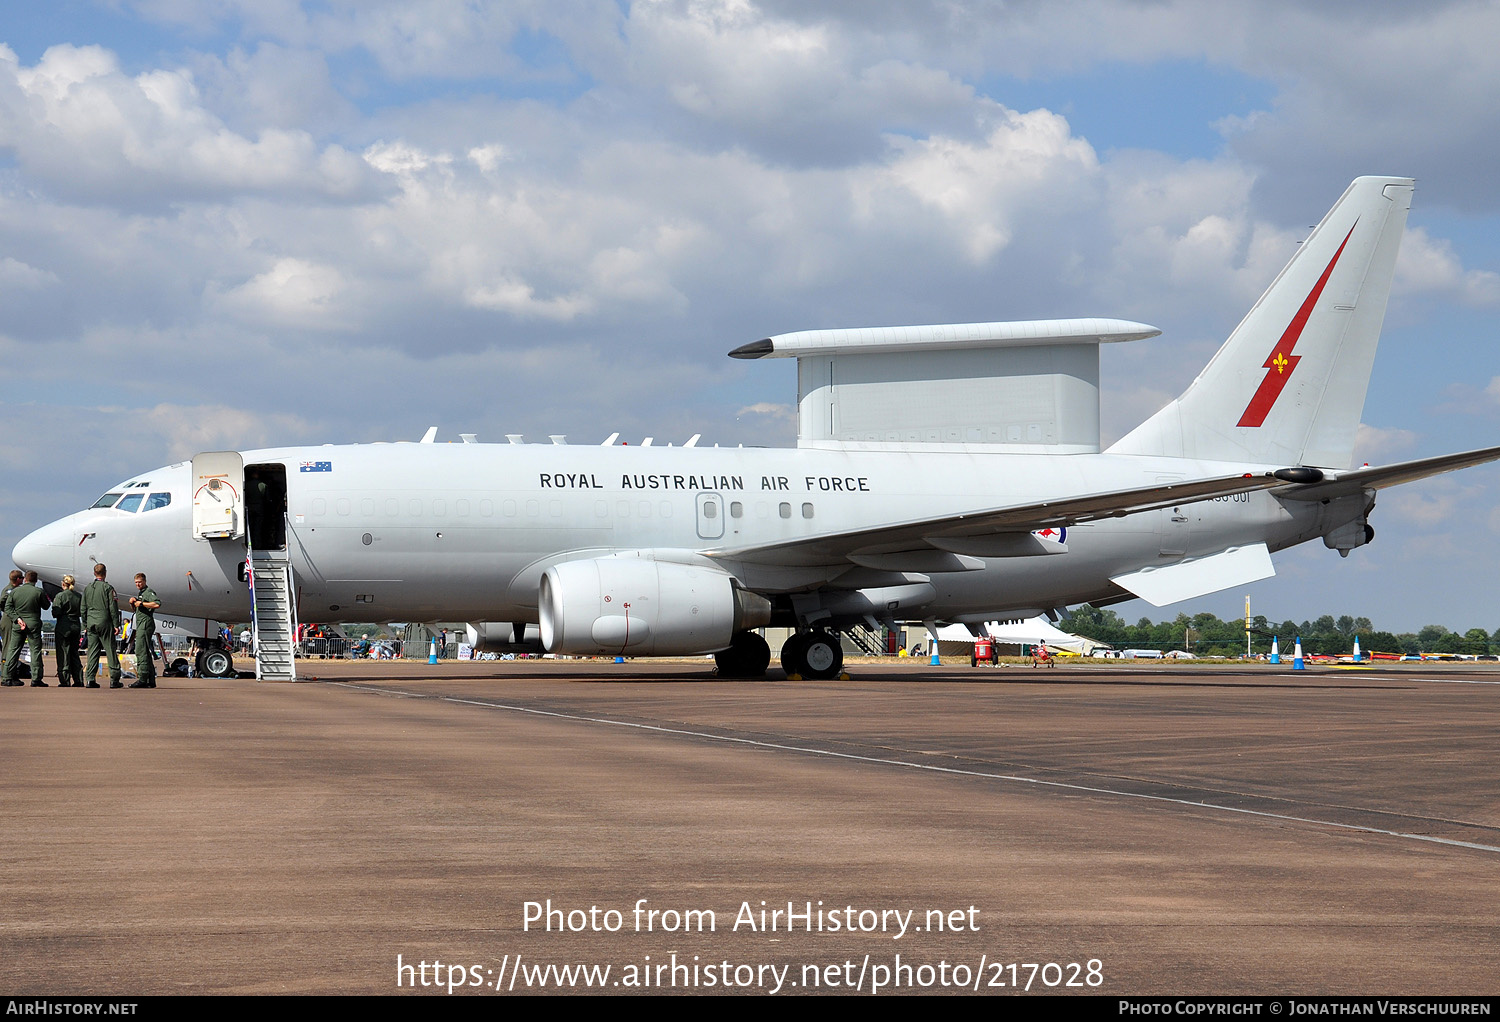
558 217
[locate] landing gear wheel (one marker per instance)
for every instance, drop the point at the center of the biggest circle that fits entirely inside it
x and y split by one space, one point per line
215 663
813 655
823 655
748 656
791 654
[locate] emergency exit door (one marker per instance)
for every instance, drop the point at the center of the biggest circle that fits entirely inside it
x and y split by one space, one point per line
710 516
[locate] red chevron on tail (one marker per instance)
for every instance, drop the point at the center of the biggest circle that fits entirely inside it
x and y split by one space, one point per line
1281 362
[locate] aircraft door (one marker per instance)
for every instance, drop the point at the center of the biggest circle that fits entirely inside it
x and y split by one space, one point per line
710 516
265 506
218 495
1175 529
1174 525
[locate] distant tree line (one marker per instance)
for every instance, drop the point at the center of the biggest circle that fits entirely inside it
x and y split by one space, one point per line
1206 635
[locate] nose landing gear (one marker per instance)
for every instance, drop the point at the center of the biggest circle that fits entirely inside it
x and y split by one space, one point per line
211 661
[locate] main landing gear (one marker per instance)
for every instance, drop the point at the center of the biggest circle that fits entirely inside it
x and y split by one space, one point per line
815 655
748 656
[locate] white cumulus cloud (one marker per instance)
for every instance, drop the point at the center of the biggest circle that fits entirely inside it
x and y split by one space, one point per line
86 129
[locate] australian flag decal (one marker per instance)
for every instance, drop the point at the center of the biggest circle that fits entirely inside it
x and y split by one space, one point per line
317 466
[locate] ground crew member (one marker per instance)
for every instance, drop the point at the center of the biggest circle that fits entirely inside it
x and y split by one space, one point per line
23 609
101 619
145 604
66 608
6 624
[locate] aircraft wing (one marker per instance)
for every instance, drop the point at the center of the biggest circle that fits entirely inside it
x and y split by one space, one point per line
1346 483
935 535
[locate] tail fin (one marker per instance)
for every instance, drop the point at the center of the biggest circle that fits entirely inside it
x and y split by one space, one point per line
1289 385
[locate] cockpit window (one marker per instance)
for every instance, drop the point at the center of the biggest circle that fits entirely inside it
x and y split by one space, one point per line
108 500
157 500
131 502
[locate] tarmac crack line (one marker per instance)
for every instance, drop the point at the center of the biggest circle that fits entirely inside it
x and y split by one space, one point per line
932 768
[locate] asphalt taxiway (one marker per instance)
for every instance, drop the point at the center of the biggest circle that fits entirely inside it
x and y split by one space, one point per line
1204 829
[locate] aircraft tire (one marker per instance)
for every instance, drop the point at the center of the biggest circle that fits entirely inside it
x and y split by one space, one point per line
748 656
823 656
215 663
792 651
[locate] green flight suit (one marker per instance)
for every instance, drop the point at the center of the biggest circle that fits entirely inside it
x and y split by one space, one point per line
143 629
6 624
23 609
101 620
67 609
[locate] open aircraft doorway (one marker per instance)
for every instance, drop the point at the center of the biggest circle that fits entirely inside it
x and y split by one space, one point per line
265 506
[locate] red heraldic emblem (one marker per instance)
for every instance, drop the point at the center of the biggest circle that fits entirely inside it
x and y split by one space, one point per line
1281 362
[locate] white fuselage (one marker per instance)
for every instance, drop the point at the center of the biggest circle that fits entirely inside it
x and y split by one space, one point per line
452 532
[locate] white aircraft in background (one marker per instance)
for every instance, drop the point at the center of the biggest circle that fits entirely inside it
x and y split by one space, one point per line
944 474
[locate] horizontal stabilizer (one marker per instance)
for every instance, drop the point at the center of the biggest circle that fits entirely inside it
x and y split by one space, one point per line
1184 580
1346 483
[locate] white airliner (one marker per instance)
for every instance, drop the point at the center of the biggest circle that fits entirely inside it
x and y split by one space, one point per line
944 474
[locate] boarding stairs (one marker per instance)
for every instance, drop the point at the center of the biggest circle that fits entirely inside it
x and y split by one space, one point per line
869 641
274 602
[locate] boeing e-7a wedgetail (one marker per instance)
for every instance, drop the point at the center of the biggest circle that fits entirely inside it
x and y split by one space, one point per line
942 474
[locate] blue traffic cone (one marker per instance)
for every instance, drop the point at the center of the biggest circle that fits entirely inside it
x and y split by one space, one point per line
1358 656
1275 652
1297 664
432 652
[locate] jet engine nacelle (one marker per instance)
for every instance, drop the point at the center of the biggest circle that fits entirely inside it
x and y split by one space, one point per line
641 607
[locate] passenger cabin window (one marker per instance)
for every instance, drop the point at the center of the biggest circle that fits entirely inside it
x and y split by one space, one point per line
108 500
157 500
785 509
132 502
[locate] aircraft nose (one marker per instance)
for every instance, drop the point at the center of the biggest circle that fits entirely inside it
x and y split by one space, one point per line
48 551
